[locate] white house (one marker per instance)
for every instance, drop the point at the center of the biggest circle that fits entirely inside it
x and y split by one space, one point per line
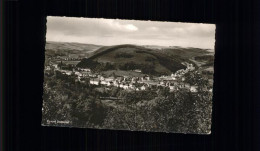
190 67
103 82
121 85
138 70
171 87
108 83
78 73
109 79
55 66
146 77
116 83
143 87
193 89
70 72
94 81
131 86
88 70
162 83
134 79
125 87
101 77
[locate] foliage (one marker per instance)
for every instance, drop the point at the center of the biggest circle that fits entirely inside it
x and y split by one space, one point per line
151 110
123 55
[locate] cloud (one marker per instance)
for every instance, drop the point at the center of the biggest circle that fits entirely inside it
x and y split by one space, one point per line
153 29
116 31
117 26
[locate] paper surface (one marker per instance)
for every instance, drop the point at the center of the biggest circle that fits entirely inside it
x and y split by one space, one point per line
128 75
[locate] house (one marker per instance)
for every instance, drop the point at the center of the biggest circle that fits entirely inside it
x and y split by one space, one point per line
146 77
116 83
55 66
121 85
78 73
137 70
68 72
109 83
80 77
143 87
134 79
126 78
190 67
172 87
101 77
84 73
103 82
92 75
160 83
94 81
131 86
174 76
193 89
179 73
125 87
87 70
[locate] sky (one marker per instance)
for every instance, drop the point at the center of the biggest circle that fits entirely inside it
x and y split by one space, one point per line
116 31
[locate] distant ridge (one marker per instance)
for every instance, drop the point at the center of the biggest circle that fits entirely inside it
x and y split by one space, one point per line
163 61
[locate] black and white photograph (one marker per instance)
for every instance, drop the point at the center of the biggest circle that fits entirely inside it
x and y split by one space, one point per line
132 75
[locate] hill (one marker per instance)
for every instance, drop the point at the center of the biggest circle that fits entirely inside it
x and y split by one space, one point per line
66 49
131 57
184 53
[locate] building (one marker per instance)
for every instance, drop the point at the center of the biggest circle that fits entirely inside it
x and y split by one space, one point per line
68 72
94 81
101 77
137 70
146 77
55 66
143 87
172 87
125 87
103 82
193 88
190 67
88 70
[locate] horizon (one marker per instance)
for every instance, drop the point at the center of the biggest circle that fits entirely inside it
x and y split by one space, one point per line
109 32
125 44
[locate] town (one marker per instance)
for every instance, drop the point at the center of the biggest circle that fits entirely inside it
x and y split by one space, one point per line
129 83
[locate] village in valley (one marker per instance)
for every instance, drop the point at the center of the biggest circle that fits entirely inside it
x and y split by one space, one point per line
131 83
111 88
128 75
